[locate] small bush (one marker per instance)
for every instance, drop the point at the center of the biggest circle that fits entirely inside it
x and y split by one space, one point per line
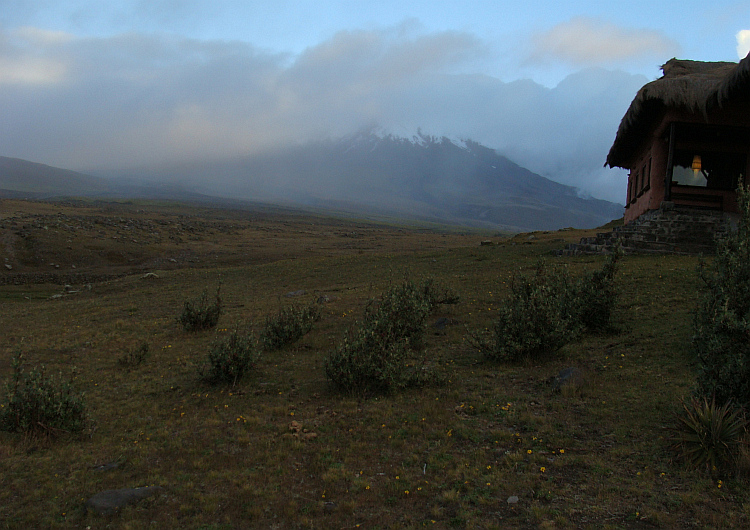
535 320
548 310
721 339
436 294
288 326
365 361
379 354
41 405
399 315
230 358
134 358
708 435
201 314
595 295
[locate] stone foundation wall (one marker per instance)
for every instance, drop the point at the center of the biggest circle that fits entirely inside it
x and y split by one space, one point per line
668 229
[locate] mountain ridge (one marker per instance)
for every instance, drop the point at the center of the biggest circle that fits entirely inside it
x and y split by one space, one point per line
427 178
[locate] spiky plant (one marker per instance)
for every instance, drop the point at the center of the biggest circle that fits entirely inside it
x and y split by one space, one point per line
709 435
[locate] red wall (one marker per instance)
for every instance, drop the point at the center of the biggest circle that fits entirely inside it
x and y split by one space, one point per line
656 148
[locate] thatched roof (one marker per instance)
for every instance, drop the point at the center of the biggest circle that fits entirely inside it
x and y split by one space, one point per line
691 85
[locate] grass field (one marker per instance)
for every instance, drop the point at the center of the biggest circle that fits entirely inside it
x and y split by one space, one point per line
281 449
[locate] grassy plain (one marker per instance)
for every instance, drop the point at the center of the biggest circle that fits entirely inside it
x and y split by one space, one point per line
281 449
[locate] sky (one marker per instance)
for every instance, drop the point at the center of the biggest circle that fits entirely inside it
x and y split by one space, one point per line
95 86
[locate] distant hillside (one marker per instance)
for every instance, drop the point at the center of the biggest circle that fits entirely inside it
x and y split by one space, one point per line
23 178
422 178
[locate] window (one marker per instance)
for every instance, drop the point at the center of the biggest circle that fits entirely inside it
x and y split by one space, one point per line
642 180
639 181
709 156
712 170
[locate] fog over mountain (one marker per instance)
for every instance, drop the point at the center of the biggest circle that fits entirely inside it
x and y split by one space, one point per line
423 177
371 173
137 101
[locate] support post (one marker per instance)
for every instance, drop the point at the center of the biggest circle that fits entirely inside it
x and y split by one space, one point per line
670 163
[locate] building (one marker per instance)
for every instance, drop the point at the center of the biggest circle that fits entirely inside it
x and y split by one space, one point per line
686 138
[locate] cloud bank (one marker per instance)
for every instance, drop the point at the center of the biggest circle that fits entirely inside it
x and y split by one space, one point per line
134 100
743 43
584 41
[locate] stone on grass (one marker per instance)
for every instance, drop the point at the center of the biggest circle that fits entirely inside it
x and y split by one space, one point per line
570 377
513 499
443 322
109 465
300 433
324 299
109 501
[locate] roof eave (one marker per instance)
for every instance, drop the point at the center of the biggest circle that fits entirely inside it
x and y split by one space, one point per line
696 92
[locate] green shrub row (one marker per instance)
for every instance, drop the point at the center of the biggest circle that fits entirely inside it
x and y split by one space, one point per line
232 356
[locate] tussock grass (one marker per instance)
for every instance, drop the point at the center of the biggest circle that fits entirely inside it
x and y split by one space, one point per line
230 456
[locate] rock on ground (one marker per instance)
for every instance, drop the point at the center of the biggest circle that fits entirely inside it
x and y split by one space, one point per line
109 501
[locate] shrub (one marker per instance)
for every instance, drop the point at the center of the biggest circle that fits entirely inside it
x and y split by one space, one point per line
721 337
134 358
594 296
399 315
548 310
288 326
708 435
535 320
436 294
230 358
375 356
200 314
365 361
41 405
